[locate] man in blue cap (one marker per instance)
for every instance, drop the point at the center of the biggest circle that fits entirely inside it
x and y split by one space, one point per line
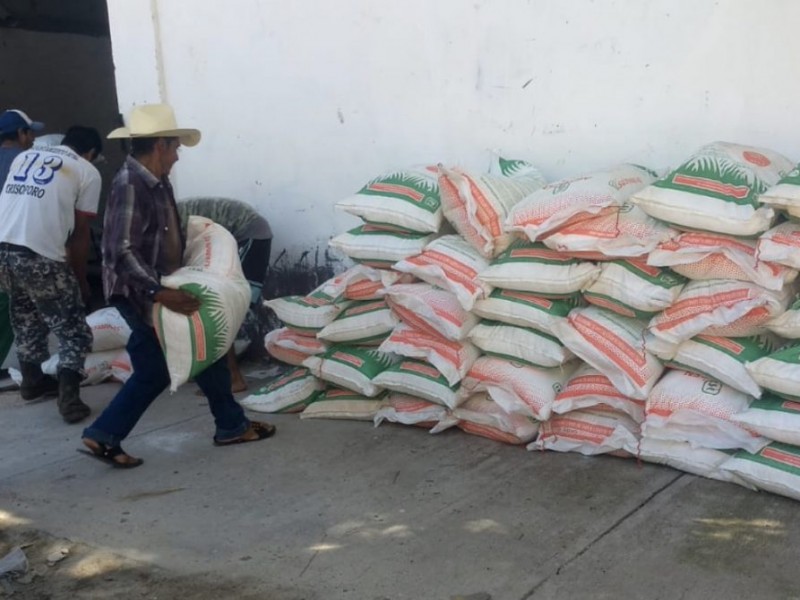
17 131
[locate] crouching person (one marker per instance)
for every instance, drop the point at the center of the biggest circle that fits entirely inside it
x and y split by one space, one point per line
143 240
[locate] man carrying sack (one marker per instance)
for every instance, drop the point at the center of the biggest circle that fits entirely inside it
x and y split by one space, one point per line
142 240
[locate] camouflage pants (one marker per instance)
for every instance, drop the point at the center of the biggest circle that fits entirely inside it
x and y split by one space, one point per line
44 297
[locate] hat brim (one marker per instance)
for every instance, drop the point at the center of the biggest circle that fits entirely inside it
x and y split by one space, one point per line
36 126
188 137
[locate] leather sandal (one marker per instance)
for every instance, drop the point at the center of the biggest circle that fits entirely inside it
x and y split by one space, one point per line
109 454
262 430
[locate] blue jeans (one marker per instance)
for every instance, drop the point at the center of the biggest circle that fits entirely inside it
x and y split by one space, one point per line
150 377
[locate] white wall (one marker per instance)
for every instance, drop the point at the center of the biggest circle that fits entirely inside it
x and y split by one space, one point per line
301 102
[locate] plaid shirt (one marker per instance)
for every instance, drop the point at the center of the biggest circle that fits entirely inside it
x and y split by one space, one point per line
134 228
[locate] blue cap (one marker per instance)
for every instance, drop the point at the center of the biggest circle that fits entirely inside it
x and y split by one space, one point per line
14 119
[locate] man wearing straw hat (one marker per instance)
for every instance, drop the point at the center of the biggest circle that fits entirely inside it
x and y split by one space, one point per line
143 240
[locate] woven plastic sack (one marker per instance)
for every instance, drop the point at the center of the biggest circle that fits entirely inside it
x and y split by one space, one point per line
705 462
409 410
519 344
110 331
407 198
589 432
722 308
524 309
208 250
621 232
785 194
337 403
538 269
191 343
379 247
478 205
724 359
361 323
288 393
518 389
452 264
453 359
286 345
787 324
686 407
431 309
351 367
614 345
480 415
420 379
778 372
781 245
632 288
701 255
773 417
570 200
717 189
589 388
775 468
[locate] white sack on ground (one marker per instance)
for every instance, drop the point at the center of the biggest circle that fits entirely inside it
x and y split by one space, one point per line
686 407
775 468
338 403
288 393
110 330
773 417
480 415
589 432
517 388
589 388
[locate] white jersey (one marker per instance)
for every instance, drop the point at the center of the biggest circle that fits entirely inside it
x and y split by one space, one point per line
44 188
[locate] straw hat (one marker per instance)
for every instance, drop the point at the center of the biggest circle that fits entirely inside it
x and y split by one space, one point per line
155 120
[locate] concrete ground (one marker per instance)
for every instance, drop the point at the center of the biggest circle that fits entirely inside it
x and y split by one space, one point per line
335 509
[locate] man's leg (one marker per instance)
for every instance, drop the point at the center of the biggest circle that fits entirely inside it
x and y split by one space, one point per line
19 276
55 292
233 426
150 377
229 418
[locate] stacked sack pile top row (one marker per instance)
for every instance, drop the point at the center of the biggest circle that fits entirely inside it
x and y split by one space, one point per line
616 312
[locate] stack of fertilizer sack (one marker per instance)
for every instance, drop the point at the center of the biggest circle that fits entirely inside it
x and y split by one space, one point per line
107 360
617 312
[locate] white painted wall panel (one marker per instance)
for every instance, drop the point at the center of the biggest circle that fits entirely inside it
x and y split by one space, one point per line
301 102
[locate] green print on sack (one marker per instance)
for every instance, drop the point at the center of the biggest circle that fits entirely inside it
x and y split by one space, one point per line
406 187
716 177
207 330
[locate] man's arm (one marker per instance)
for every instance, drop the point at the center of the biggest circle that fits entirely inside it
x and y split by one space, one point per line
77 248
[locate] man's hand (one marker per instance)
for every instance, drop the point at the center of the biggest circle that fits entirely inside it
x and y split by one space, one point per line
178 301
